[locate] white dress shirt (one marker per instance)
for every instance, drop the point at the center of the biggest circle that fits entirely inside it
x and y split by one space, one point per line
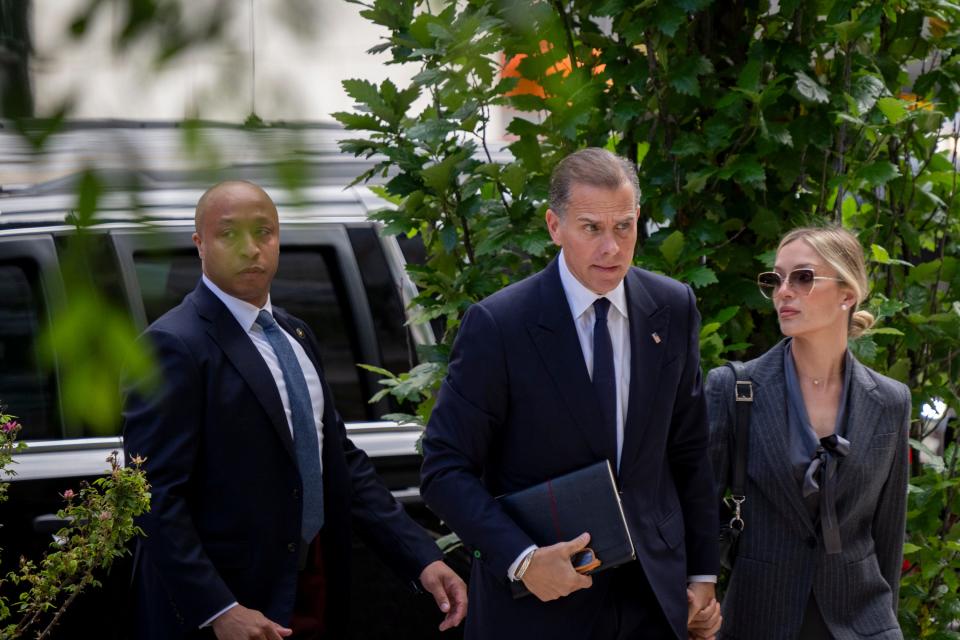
246 314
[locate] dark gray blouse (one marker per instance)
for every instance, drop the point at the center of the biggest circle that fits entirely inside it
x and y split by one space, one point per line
815 460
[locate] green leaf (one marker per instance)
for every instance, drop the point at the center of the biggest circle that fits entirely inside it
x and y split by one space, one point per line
885 331
866 89
749 78
707 329
642 149
686 84
700 277
684 76
893 109
668 18
514 177
439 176
687 144
877 173
767 258
672 246
448 236
880 254
358 121
900 370
810 89
777 132
909 547
765 224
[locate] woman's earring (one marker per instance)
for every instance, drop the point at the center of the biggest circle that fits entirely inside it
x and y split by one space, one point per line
844 307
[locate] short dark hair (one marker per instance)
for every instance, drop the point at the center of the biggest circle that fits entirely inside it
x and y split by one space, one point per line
591 166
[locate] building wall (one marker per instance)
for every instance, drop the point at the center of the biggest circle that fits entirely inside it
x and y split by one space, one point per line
296 75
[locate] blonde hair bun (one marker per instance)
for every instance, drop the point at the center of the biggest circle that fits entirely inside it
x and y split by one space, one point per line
860 322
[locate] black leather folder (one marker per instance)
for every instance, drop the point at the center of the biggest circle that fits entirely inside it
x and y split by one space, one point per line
564 507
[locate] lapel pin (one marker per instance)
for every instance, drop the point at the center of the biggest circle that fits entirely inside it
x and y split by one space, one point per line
656 337
300 333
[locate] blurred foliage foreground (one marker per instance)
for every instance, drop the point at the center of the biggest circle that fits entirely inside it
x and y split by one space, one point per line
745 119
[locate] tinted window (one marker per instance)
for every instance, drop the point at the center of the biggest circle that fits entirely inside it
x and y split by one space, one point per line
26 391
397 351
308 285
99 254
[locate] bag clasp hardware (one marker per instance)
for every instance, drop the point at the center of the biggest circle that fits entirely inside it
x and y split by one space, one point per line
736 522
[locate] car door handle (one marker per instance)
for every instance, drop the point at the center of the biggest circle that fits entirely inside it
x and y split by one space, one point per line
50 523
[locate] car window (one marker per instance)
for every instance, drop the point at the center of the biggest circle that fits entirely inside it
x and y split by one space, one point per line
308 285
26 390
397 351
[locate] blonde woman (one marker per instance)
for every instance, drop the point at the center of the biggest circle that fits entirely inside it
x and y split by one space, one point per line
825 509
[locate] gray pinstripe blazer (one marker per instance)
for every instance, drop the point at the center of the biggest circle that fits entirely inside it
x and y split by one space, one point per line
781 555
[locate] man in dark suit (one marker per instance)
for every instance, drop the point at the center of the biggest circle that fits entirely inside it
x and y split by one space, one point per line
589 359
254 482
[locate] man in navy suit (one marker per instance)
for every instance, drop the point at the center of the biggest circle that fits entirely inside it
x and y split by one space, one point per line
589 359
254 482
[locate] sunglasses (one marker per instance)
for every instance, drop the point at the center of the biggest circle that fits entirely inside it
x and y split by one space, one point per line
800 280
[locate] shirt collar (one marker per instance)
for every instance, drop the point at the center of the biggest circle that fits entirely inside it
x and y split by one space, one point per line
580 298
245 313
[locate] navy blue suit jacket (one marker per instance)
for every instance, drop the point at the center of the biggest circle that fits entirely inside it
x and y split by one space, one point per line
224 523
518 407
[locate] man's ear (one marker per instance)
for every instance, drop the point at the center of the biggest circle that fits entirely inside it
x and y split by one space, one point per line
553 226
198 243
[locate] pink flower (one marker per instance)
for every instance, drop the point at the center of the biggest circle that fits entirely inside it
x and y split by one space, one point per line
104 516
9 426
68 494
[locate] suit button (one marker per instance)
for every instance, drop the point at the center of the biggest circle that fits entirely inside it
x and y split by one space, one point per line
811 542
292 547
296 493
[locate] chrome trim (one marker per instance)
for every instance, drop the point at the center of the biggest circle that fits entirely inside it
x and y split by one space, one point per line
80 457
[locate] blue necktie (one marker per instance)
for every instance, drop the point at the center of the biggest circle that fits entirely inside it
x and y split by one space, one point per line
305 440
604 376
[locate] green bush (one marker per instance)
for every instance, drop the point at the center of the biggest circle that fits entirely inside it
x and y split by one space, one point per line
745 121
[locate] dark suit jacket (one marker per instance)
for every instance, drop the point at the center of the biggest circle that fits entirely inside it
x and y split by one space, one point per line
224 523
518 407
781 551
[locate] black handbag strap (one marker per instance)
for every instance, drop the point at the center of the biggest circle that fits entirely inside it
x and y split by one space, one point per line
743 394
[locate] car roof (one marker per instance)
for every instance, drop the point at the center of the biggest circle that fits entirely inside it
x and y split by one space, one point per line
147 176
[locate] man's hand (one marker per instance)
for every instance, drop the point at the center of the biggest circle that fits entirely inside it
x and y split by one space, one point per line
448 590
240 623
551 574
703 611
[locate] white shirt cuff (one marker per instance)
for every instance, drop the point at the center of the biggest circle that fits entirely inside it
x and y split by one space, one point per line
512 569
712 579
218 614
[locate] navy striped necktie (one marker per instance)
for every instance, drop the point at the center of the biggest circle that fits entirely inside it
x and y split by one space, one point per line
305 440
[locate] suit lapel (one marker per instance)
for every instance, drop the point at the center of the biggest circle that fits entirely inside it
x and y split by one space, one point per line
864 412
646 358
768 435
224 329
556 340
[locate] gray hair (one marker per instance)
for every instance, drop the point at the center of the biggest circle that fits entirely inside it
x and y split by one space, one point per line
592 166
